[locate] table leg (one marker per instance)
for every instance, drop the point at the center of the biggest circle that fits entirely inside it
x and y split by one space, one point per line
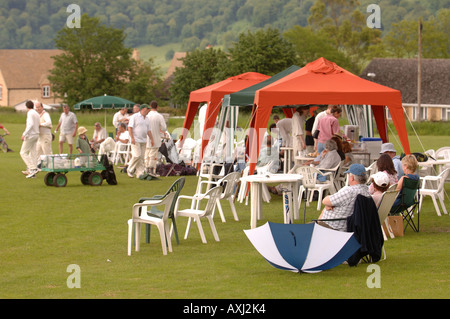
255 203
287 202
295 191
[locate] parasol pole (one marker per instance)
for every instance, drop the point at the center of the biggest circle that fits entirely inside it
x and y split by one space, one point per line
419 71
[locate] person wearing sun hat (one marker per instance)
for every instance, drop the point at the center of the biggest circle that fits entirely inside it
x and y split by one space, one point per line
388 148
341 204
82 144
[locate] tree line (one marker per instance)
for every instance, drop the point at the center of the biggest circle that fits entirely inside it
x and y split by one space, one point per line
33 24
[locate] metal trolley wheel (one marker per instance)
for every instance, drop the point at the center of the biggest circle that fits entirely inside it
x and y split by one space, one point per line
60 180
85 177
95 179
48 179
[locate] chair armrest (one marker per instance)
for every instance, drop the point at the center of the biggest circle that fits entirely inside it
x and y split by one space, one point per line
195 197
137 212
426 179
430 178
328 171
156 197
146 203
213 183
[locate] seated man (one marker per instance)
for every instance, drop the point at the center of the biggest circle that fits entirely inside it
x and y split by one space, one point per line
98 137
340 204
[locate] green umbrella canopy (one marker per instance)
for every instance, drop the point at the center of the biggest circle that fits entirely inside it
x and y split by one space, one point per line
104 102
246 96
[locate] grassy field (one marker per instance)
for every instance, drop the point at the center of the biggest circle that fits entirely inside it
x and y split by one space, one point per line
158 54
46 229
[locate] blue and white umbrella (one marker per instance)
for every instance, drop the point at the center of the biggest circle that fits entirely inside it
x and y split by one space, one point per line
302 247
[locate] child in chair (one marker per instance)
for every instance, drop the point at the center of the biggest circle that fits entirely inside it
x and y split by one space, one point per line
409 166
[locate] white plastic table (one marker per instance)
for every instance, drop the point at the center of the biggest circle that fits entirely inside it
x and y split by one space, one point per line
435 163
290 194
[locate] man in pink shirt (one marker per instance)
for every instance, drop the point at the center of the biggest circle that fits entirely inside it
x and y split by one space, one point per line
328 126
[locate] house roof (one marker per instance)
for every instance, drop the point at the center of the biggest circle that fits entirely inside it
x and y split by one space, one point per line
176 62
401 74
24 69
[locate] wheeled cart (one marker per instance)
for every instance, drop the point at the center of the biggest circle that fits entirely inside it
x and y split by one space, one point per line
59 165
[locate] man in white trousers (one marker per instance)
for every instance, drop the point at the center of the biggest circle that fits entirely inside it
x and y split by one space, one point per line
44 144
158 127
139 128
29 140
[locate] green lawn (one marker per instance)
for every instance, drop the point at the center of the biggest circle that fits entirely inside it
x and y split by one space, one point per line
46 229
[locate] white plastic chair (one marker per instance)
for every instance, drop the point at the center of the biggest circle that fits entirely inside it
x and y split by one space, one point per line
206 171
427 170
122 153
337 177
443 153
310 184
140 216
329 185
212 195
434 192
230 181
371 169
186 153
341 178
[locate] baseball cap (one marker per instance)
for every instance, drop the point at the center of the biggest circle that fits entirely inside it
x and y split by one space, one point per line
381 179
144 106
356 169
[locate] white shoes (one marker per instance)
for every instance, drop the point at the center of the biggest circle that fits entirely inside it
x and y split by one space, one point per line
32 173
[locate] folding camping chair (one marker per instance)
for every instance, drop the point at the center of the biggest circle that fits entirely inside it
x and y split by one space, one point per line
408 203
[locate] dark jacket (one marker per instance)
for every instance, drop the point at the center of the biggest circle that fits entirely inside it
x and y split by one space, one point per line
365 224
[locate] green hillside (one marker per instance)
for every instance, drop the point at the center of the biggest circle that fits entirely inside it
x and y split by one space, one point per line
32 24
